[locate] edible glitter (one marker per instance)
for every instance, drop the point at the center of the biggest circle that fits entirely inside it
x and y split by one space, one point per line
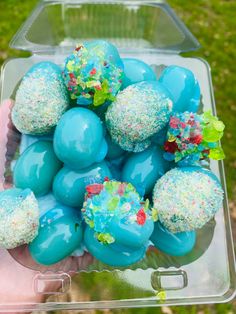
139 112
187 198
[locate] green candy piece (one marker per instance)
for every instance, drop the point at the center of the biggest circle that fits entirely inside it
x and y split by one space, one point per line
217 153
211 135
219 126
112 204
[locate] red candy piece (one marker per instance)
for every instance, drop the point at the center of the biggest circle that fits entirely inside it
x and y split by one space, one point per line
141 217
196 139
170 147
94 189
93 71
121 189
78 48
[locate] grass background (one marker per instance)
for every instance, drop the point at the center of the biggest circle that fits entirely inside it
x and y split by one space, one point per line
213 22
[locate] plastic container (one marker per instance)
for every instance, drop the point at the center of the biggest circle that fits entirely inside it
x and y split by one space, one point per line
151 32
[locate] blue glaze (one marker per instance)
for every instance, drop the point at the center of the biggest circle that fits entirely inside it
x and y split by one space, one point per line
27 140
112 254
45 67
110 51
102 152
143 169
136 71
115 166
9 199
69 185
46 203
183 87
36 167
129 235
174 244
160 137
114 150
60 233
78 138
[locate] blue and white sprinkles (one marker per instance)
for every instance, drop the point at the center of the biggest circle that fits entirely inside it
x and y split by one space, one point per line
187 198
139 112
41 99
19 217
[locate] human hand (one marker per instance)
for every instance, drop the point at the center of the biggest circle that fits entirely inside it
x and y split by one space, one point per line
18 270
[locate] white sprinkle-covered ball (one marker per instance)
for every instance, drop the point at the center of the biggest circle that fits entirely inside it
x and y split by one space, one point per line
19 217
187 198
41 99
139 112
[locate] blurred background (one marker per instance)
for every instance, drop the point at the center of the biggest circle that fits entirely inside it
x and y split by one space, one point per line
213 22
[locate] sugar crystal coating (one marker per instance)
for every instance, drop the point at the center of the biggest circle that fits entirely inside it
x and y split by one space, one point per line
19 217
187 198
41 99
139 112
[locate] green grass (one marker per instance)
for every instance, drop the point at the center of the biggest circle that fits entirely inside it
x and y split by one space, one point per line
213 22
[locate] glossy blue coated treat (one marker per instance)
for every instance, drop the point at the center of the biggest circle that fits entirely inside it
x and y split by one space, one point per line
160 137
78 138
41 99
112 202
113 254
114 150
140 111
46 203
19 217
69 185
136 71
36 167
144 168
119 222
93 73
183 87
110 51
102 152
27 140
60 233
174 244
116 165
186 198
133 236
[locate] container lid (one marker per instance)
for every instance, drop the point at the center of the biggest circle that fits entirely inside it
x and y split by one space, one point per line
57 25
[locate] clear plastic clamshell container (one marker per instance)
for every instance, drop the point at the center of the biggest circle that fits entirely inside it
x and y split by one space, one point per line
150 31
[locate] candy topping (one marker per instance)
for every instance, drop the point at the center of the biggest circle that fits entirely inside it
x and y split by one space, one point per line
192 138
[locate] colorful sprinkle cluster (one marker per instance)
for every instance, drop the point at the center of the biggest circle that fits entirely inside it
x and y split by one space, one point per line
19 218
113 200
187 198
91 76
139 112
192 138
